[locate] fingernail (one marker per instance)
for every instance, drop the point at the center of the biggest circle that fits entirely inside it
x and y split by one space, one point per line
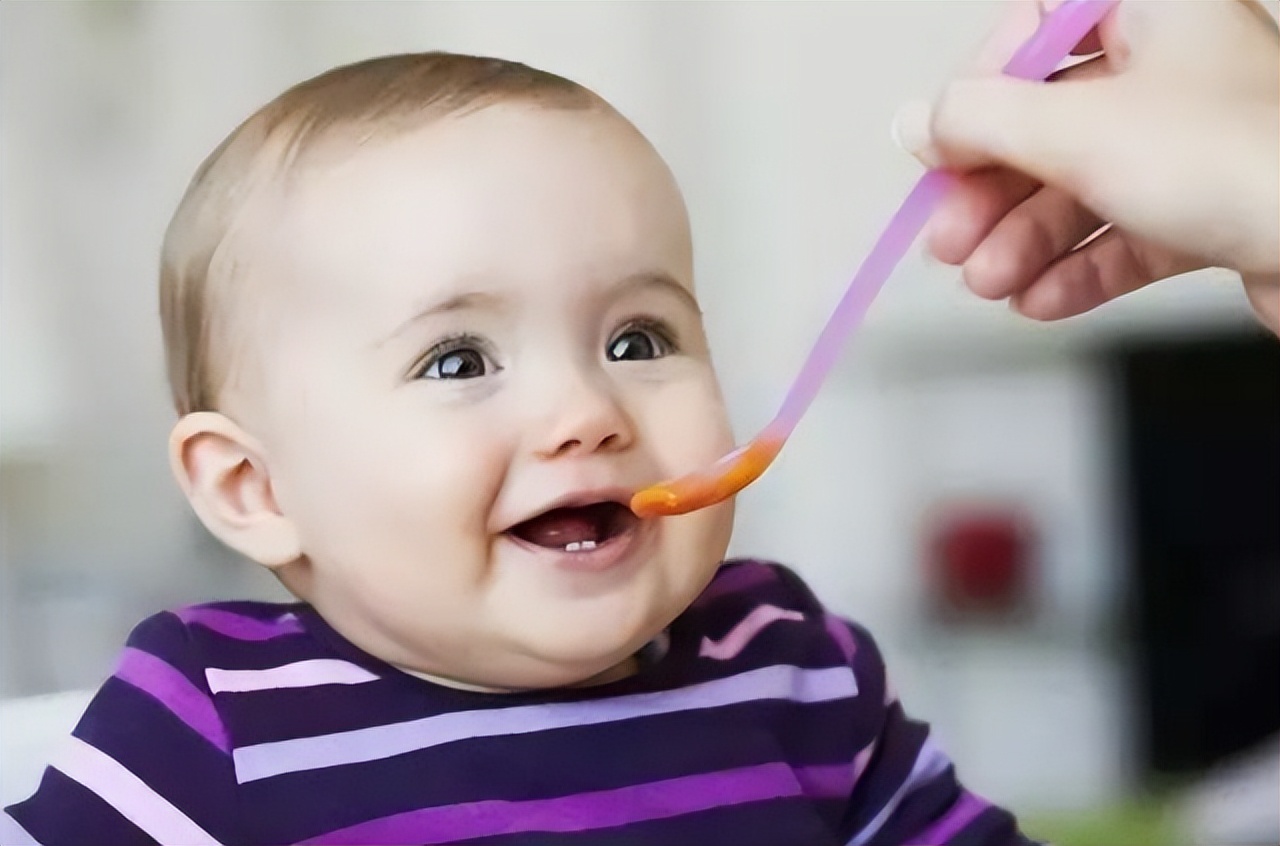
927 258
910 127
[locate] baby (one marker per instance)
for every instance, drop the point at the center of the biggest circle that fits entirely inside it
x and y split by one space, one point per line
430 321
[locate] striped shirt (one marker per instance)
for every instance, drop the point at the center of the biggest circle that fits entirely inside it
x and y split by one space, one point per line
766 720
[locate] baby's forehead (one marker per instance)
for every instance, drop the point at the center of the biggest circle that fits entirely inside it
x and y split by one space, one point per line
477 138
505 179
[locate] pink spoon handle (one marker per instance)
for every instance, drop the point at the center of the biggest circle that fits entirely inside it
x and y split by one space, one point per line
897 238
1038 57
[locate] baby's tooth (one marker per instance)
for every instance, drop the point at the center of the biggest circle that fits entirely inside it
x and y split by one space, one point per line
588 544
573 546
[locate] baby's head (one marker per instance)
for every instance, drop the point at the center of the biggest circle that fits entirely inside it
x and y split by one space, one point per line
429 322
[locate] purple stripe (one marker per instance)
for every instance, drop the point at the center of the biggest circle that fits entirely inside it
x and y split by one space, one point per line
841 635
239 626
174 691
733 580
825 781
581 812
949 825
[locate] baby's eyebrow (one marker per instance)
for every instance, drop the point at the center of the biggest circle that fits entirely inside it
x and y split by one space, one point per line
660 280
469 301
489 301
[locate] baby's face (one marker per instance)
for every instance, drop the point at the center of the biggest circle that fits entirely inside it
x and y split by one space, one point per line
487 340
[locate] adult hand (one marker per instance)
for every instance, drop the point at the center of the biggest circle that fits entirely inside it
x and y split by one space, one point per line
1158 155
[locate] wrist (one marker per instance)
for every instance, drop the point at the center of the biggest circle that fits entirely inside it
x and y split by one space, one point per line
1263 291
1258 182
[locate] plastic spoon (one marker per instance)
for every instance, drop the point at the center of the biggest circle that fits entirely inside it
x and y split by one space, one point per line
1058 33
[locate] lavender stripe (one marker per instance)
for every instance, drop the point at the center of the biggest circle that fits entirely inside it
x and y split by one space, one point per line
746 630
949 825
734 580
173 690
264 760
13 834
312 672
580 812
931 762
129 795
240 626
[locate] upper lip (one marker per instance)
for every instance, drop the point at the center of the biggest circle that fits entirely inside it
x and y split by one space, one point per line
577 499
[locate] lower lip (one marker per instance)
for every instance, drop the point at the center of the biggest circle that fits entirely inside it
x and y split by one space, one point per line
606 556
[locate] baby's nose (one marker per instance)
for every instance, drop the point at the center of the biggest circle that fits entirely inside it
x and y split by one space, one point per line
587 419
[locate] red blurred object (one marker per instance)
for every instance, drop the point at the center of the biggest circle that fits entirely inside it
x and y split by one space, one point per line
981 561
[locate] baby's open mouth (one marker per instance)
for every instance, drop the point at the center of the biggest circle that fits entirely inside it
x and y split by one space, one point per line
577 528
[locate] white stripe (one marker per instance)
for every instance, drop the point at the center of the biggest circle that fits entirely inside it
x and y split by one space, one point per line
129 795
783 681
12 834
931 762
310 673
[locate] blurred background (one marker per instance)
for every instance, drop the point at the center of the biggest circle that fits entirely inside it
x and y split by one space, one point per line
1065 537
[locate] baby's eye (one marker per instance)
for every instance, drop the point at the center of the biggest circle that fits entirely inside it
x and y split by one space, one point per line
640 342
459 364
455 359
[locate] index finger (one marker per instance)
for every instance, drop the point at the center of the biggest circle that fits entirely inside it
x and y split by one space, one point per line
1020 21
1016 25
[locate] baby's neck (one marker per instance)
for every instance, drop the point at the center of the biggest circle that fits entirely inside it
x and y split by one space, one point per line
617 672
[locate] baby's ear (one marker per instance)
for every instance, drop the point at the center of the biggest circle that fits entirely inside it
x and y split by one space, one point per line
223 471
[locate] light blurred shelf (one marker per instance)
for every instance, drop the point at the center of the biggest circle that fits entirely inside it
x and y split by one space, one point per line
932 321
1003 707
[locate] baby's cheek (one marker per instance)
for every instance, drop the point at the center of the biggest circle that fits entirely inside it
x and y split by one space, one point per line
460 467
696 428
699 542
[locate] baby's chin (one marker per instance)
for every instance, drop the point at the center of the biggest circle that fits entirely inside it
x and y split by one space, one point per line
534 675
545 676
519 673
561 641
574 653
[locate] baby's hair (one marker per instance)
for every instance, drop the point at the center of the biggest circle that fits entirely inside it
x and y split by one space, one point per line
371 99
